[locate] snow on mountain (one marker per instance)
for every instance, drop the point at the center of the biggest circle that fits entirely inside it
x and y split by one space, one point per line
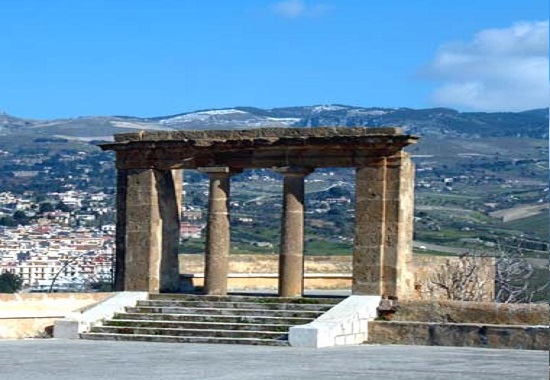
426 122
228 118
272 122
135 125
327 107
370 112
201 116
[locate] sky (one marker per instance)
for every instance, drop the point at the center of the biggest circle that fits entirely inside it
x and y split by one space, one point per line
67 58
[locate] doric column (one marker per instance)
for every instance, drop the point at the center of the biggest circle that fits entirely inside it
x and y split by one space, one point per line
120 237
291 254
217 231
170 193
147 231
370 218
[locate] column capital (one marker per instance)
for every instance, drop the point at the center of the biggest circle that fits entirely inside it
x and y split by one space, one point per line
398 158
373 162
293 170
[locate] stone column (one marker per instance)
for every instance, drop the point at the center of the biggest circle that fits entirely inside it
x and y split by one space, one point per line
218 232
169 189
120 237
147 231
382 257
291 254
178 187
370 231
398 256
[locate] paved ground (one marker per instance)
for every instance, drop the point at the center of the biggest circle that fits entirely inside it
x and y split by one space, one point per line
86 360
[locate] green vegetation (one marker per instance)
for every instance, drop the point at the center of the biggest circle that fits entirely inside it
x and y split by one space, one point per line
539 279
327 248
536 225
192 246
10 283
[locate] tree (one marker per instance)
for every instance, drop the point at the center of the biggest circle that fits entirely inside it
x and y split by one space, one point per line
463 278
61 206
515 279
337 192
10 283
102 286
45 207
21 218
8 221
474 277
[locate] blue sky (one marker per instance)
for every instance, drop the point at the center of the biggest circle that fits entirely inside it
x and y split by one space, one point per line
66 58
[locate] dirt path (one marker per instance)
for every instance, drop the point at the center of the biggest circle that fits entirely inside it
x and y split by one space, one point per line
519 212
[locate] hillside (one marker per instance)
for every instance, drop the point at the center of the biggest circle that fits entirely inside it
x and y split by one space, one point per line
434 122
481 177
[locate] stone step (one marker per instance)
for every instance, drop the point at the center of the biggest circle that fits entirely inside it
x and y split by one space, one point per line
183 339
214 333
225 311
309 300
198 325
214 318
233 319
234 305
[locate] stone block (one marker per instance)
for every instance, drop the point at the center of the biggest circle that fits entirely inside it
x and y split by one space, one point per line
66 329
77 322
351 340
310 336
347 328
340 340
336 326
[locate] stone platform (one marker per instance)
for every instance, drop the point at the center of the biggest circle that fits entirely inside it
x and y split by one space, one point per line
95 360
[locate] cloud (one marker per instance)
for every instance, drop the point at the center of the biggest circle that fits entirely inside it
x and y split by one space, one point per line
498 70
298 8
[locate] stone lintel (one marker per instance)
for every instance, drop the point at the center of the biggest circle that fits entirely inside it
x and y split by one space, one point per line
205 136
187 144
214 169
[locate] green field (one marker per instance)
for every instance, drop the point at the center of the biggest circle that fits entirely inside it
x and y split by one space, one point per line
537 225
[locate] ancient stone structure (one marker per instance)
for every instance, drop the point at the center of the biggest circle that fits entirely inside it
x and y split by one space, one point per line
149 168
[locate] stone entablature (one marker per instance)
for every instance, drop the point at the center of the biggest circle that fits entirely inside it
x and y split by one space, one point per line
257 136
258 148
149 197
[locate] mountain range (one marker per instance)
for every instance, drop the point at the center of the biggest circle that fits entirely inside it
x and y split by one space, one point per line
432 122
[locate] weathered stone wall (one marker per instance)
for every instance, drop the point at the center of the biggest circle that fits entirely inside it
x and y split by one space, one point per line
209 137
459 335
269 263
27 315
472 312
251 272
462 323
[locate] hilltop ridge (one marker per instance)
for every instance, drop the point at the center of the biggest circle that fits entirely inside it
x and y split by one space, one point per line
434 122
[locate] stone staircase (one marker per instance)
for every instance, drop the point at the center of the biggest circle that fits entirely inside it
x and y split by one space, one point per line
212 319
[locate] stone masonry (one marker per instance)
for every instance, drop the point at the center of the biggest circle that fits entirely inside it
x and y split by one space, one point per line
149 168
